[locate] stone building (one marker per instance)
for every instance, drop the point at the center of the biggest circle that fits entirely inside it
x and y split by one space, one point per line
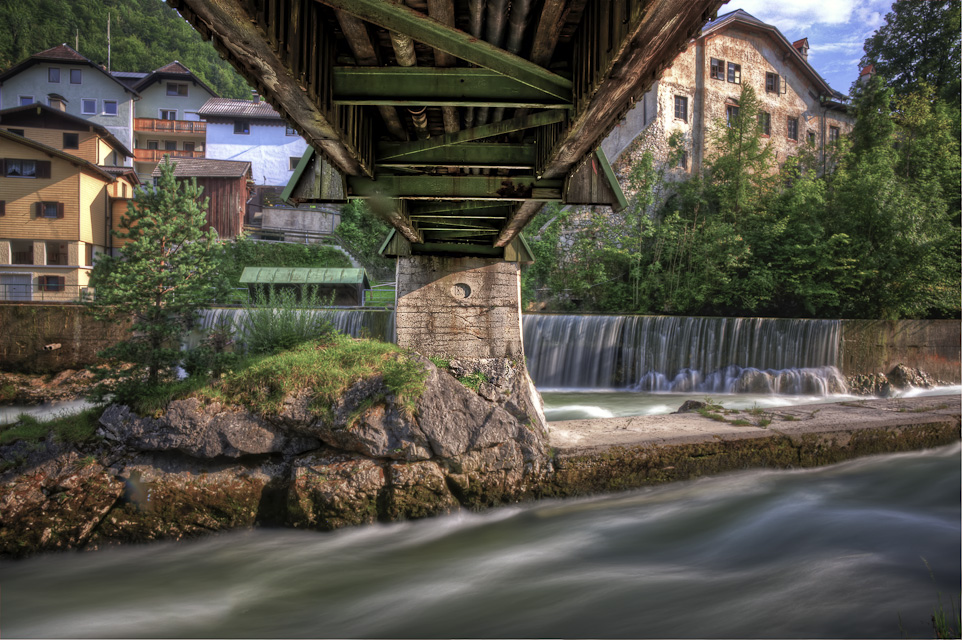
701 88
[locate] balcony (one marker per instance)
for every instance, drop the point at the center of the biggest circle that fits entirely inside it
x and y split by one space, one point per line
170 126
156 155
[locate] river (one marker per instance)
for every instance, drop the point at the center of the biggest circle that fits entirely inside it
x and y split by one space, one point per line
838 551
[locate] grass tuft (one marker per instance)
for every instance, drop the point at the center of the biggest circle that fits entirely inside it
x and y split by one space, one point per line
67 428
473 381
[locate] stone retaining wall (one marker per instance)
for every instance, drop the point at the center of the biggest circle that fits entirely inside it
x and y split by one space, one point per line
25 329
875 346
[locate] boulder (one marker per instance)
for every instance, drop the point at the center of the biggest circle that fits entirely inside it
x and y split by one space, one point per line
330 490
202 431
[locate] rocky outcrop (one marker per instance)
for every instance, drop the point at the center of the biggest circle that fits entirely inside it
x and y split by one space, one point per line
883 385
475 438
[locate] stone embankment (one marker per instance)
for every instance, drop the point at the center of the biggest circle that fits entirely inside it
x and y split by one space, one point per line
203 467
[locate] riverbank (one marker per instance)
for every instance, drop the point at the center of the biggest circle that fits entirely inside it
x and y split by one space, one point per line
612 454
148 479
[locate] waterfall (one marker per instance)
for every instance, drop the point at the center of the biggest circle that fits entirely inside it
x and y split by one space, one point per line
665 353
358 323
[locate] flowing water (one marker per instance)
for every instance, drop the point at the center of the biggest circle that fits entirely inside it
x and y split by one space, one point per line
839 551
685 355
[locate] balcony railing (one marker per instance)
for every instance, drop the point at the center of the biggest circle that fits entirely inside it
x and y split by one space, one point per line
156 155
44 293
169 126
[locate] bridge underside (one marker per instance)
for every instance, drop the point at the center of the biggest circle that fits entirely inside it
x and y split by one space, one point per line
456 119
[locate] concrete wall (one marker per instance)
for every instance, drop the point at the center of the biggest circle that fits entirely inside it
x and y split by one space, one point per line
875 346
459 307
27 328
267 147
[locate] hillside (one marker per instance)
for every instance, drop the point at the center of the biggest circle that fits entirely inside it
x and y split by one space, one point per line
145 35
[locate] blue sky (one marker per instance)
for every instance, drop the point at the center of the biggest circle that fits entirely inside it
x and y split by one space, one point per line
836 30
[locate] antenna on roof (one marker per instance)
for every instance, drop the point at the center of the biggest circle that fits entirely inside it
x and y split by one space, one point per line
108 42
76 42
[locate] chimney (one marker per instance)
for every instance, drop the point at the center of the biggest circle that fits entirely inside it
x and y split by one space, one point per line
255 96
866 74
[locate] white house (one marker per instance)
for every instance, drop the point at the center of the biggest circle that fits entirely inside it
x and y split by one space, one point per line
67 81
252 131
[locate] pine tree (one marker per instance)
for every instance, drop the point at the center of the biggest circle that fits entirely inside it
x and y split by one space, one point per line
165 272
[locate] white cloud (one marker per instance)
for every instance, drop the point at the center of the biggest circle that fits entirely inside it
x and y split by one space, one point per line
795 16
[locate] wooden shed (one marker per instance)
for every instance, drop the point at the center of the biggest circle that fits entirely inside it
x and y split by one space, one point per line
226 182
345 286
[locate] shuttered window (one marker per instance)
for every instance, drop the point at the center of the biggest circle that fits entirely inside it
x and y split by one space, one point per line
18 168
3 208
49 210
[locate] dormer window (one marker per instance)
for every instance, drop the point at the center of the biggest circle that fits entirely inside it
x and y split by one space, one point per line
177 89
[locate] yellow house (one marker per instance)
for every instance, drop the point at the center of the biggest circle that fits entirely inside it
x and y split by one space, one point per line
62 186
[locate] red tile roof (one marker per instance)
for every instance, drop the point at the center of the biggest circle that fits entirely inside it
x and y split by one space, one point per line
173 67
61 52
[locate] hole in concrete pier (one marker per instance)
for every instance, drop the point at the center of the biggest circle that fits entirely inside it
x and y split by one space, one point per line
461 291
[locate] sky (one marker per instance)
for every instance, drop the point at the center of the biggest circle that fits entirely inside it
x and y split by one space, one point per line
836 30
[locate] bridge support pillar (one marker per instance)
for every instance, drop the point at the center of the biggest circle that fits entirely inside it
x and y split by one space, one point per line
468 311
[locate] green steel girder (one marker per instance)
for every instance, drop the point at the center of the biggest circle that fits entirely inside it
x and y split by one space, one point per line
510 188
397 17
489 155
473 207
437 87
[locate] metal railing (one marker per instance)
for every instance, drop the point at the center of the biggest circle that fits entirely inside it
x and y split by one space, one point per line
169 126
17 293
300 236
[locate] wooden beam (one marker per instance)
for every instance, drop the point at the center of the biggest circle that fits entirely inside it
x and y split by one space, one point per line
394 212
430 187
443 12
477 133
234 31
548 31
358 38
400 18
433 86
488 155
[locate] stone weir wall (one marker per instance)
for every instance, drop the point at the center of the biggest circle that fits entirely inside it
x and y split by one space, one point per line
874 346
26 329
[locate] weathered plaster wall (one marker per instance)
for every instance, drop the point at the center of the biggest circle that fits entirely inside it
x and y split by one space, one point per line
875 346
459 307
267 147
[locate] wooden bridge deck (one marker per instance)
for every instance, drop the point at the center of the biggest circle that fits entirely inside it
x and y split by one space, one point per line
456 119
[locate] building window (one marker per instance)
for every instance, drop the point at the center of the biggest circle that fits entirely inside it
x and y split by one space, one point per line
50 210
292 162
110 107
16 132
811 138
681 108
683 160
771 82
717 69
833 134
76 76
793 129
153 145
734 73
731 114
20 168
88 254
765 122
53 74
168 114
25 100
242 127
71 141
189 146
170 145
3 208
88 106
176 89
52 283
290 131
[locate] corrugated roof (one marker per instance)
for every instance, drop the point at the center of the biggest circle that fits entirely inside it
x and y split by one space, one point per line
232 108
302 275
206 168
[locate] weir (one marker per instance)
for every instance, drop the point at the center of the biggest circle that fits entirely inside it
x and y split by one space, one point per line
679 354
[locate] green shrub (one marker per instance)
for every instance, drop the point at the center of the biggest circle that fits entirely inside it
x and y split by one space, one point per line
278 320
